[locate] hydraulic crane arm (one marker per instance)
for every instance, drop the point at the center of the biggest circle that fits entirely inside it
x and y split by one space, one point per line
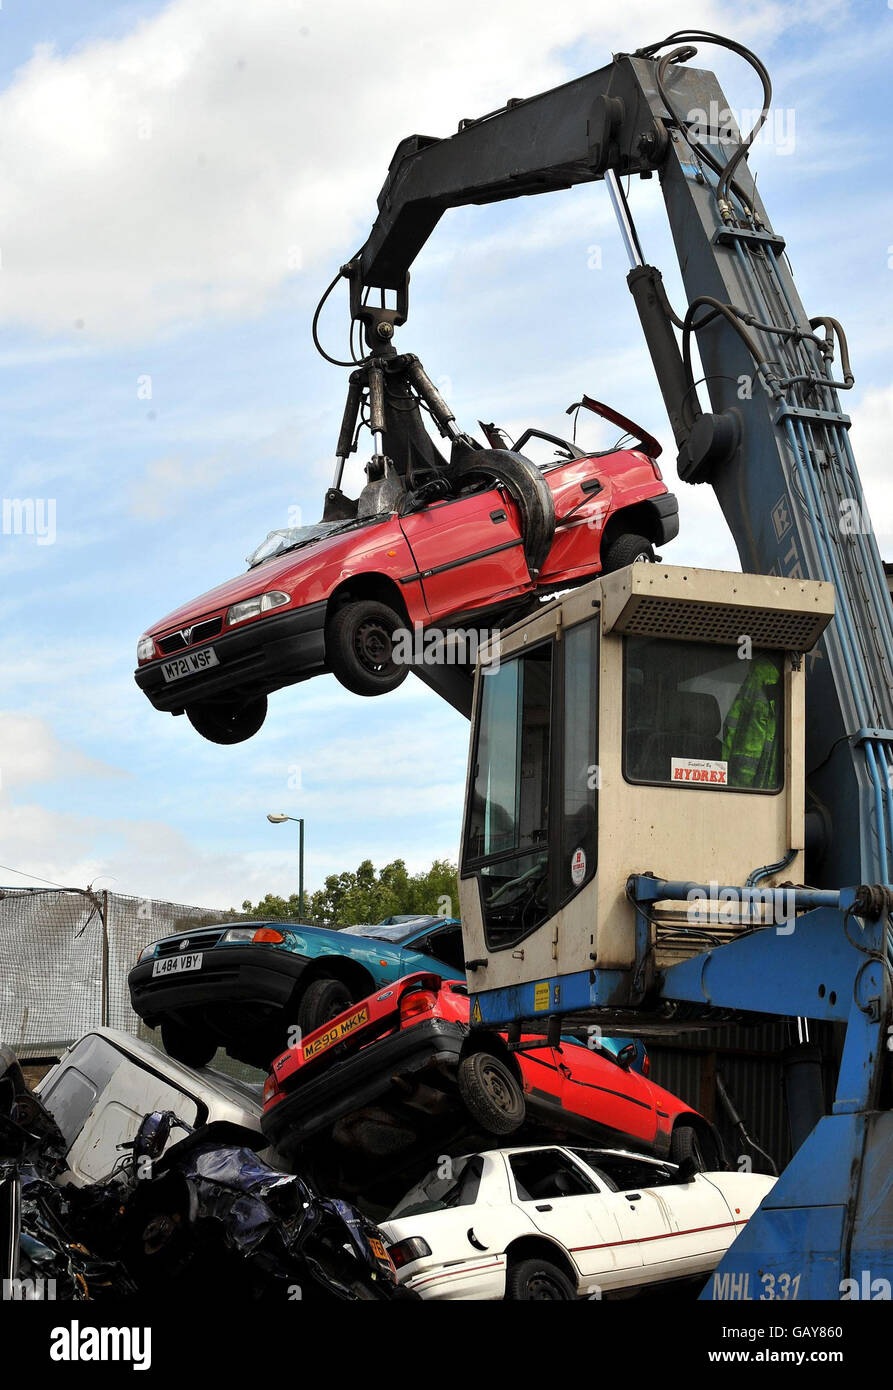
774 445
552 141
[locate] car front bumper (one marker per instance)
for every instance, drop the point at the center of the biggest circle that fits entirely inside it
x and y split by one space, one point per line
337 1091
228 975
277 650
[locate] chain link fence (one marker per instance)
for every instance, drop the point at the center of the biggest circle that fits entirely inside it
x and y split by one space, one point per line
64 959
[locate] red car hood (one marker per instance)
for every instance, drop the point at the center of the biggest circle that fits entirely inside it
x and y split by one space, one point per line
281 572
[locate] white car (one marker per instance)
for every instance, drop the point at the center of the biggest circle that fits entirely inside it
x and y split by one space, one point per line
562 1223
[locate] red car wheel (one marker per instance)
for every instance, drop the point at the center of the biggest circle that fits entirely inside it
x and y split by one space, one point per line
228 721
359 647
491 1094
627 550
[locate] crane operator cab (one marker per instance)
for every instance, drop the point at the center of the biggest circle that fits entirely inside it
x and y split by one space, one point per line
649 722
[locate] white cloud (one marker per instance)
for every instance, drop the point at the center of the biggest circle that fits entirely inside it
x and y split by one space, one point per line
30 752
142 858
180 172
147 858
167 481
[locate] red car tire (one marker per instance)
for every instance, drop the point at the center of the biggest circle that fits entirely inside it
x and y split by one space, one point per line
228 721
491 1094
626 550
359 647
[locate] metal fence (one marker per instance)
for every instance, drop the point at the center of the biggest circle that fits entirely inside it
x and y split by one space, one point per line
64 960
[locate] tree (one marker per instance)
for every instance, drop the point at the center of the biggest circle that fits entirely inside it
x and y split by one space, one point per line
367 895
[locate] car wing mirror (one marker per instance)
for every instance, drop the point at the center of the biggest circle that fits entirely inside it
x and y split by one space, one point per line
627 1055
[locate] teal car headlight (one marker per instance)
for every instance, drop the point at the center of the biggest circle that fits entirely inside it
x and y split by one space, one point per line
252 936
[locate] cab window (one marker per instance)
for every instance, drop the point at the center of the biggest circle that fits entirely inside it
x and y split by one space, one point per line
531 834
510 798
508 831
70 1101
699 715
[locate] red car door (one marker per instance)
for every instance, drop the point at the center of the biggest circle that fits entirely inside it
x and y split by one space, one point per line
468 551
580 517
608 1094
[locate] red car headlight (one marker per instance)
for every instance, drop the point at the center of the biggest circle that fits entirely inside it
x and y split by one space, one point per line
253 607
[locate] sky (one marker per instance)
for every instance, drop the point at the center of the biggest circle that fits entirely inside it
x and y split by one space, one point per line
178 183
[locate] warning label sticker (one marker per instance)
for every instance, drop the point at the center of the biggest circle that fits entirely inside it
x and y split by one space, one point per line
703 770
578 867
541 995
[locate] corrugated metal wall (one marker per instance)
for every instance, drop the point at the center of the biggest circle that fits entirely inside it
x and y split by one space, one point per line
749 1060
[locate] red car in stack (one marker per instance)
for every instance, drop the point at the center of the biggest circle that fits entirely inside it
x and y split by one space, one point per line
411 1044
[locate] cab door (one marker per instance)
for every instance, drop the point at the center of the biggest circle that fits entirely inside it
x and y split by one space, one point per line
467 551
531 831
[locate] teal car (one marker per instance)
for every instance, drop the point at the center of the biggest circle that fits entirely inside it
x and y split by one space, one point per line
254 988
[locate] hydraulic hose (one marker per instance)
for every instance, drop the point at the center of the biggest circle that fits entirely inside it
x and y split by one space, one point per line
683 36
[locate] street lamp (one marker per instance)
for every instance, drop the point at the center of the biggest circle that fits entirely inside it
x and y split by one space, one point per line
278 818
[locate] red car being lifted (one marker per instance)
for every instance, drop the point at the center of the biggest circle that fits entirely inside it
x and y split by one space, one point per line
481 539
408 1050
